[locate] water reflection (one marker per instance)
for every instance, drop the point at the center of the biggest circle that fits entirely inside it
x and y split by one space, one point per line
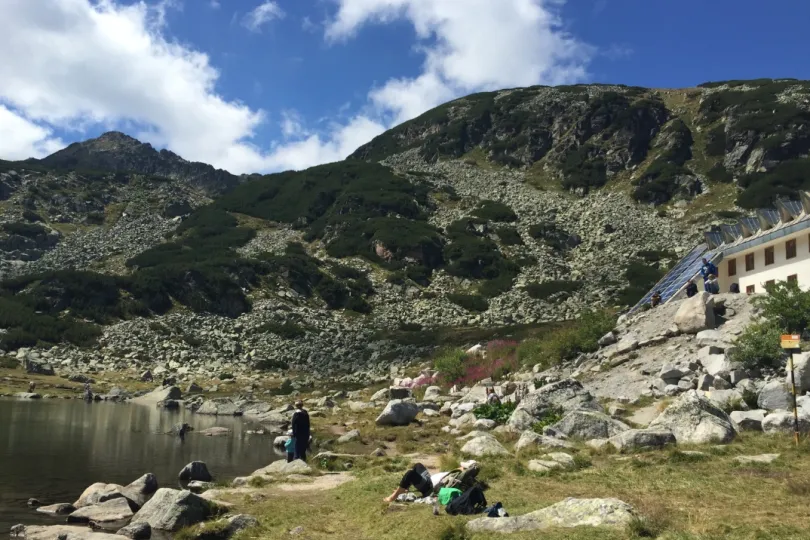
53 449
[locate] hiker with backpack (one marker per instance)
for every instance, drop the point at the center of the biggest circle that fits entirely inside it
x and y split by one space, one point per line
417 477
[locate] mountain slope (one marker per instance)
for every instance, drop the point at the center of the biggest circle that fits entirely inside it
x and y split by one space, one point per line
502 210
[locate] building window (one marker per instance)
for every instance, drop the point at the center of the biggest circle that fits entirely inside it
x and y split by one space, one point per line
790 249
749 262
768 256
732 267
750 289
793 279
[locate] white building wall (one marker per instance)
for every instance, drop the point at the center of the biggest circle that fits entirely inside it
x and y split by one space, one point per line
778 271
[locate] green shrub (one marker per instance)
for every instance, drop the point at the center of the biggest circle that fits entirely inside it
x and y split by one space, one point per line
786 306
28 230
509 236
542 291
450 364
499 412
549 418
641 277
566 341
7 362
758 346
719 174
470 302
494 211
271 365
548 232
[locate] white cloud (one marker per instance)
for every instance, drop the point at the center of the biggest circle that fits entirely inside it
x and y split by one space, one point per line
214 4
74 64
261 15
469 45
22 139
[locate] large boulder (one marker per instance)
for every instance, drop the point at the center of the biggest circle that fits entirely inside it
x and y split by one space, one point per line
142 489
37 367
59 509
783 422
566 514
110 515
748 420
484 445
589 425
530 439
283 468
775 395
136 531
566 395
718 365
801 373
696 314
641 439
196 470
694 419
99 493
398 413
171 510
432 393
551 462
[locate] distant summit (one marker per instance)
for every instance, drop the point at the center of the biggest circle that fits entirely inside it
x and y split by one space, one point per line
118 152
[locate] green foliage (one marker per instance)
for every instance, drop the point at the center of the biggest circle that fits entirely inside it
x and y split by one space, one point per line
786 306
542 291
471 256
470 302
663 178
785 180
271 365
716 141
509 236
549 418
566 341
455 531
450 364
27 328
7 362
758 346
719 174
641 277
728 214
549 233
499 412
494 211
584 169
28 230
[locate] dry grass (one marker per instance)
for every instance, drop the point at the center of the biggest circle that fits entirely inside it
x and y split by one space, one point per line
678 498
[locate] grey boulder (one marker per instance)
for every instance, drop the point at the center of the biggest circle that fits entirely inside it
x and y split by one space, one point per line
283 468
566 395
694 419
59 509
696 314
529 439
748 420
112 514
398 413
171 510
141 490
484 445
136 531
641 439
775 395
590 425
196 470
565 514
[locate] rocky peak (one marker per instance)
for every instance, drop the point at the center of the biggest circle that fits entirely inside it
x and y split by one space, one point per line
117 152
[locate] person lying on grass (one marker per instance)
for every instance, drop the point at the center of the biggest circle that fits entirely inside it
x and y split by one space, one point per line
421 480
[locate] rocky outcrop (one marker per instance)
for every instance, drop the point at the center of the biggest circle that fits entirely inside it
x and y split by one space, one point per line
484 445
696 314
566 395
694 419
60 532
589 425
110 515
641 439
196 470
569 513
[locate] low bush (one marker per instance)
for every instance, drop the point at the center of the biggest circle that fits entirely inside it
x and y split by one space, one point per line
7 362
542 291
271 365
565 342
549 418
470 302
786 306
287 330
494 211
499 412
758 346
509 236
450 365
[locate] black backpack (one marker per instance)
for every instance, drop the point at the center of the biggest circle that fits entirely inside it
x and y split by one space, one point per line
470 502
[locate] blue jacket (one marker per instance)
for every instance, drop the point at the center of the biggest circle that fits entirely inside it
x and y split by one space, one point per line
289 446
707 269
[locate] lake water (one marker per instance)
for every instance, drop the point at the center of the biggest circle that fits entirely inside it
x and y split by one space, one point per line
52 450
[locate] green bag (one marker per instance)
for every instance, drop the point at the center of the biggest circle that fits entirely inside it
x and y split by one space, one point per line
447 494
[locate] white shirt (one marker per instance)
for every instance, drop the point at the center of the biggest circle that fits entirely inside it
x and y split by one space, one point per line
436 478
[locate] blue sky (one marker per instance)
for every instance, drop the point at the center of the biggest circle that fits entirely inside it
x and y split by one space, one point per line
258 85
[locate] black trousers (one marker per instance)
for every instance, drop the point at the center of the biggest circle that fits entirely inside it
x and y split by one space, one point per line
415 478
301 449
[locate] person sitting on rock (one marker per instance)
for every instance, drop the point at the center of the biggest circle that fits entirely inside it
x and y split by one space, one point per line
31 387
417 477
655 300
734 288
492 397
712 285
691 289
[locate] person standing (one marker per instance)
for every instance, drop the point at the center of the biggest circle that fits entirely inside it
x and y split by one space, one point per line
300 430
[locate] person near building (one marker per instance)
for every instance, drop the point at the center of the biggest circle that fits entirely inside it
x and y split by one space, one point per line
655 299
300 430
691 289
707 269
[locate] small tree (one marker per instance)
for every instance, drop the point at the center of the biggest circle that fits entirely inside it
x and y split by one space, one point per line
758 346
786 306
